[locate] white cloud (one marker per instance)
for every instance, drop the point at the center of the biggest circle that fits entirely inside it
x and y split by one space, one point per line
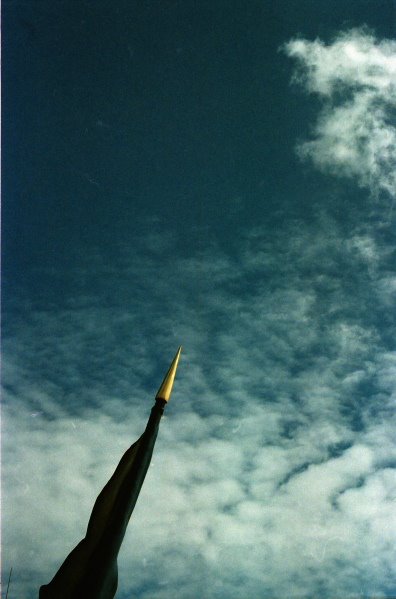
355 135
274 452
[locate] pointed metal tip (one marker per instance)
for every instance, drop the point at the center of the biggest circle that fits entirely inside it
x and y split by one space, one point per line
164 392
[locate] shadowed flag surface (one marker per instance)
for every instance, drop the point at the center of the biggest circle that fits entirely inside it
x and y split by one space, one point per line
90 570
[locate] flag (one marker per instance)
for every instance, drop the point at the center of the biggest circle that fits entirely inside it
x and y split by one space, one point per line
90 570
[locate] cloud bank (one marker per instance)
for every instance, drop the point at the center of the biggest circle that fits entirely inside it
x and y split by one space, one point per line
355 135
274 468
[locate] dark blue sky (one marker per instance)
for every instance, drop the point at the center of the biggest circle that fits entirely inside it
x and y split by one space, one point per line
219 175
177 110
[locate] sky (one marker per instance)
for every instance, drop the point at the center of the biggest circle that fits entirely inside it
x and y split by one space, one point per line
218 175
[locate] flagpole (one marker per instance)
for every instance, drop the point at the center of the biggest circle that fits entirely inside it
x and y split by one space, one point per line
90 571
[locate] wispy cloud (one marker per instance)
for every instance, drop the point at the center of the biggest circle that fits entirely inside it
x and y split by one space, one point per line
272 470
355 135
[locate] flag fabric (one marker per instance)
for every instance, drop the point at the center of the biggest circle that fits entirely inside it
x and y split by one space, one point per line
90 570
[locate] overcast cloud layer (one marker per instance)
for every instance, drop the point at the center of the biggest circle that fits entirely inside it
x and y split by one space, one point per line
355 135
273 474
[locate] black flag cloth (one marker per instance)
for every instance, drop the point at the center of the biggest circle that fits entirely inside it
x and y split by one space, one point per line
90 570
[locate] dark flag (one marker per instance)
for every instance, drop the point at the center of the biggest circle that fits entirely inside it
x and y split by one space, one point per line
90 570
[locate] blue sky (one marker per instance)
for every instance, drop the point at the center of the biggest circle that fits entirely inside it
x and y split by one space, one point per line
218 175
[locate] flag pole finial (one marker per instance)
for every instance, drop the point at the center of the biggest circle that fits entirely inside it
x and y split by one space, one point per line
164 392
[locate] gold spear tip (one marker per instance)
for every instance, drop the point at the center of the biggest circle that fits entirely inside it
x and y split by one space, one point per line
164 392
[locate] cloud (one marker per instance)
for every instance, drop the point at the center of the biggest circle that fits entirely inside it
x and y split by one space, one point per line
273 467
355 134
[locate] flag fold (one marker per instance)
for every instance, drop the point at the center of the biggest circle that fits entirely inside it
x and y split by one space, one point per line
90 570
